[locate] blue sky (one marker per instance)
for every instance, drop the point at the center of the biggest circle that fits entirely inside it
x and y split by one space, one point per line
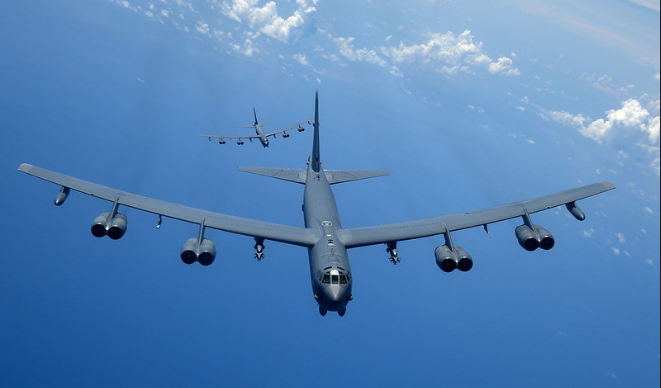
468 106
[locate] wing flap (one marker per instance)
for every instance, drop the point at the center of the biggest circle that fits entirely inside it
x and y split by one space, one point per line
244 226
371 235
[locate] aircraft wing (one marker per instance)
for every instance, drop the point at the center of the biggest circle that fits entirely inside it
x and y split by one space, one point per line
290 127
356 237
244 226
247 137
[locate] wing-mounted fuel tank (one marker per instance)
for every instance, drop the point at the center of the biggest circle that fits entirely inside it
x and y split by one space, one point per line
198 249
61 196
111 224
575 211
531 236
450 257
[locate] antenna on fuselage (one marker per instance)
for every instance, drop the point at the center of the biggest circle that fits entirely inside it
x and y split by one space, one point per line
316 161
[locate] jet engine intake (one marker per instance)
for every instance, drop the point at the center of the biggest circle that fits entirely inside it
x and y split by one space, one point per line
450 259
114 228
537 237
465 262
204 253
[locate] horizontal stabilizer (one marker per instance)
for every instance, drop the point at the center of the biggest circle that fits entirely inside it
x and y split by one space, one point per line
339 176
288 174
298 175
253 126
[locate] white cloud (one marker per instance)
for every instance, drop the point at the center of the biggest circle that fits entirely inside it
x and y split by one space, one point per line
266 19
203 28
345 46
631 116
503 66
605 83
125 4
446 53
394 70
620 238
653 129
567 118
247 49
618 122
300 58
449 54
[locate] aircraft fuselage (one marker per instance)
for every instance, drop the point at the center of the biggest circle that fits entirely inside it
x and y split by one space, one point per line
330 271
262 138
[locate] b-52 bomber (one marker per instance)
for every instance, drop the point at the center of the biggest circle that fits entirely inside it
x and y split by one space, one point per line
259 132
326 241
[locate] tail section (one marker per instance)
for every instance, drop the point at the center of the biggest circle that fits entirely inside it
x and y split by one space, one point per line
299 175
316 159
254 113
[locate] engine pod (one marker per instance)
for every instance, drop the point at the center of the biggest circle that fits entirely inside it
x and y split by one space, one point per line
445 259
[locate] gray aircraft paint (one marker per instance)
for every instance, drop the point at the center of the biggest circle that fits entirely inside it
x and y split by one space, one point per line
327 242
328 254
260 135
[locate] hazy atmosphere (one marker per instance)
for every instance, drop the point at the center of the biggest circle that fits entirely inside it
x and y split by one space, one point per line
467 104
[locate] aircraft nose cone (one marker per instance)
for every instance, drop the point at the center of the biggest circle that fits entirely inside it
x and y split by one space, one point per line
335 298
334 294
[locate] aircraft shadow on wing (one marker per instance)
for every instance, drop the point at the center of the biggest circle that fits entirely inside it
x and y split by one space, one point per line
260 134
324 237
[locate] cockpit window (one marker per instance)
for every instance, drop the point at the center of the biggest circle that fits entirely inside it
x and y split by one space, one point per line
333 276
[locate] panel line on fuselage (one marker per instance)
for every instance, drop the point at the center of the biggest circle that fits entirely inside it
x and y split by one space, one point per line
328 257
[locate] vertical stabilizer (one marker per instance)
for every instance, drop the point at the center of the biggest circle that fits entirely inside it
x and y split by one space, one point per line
316 161
255 114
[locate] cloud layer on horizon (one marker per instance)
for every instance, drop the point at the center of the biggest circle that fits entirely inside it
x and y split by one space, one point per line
632 117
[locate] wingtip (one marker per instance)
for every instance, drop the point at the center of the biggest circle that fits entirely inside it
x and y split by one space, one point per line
609 185
24 167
